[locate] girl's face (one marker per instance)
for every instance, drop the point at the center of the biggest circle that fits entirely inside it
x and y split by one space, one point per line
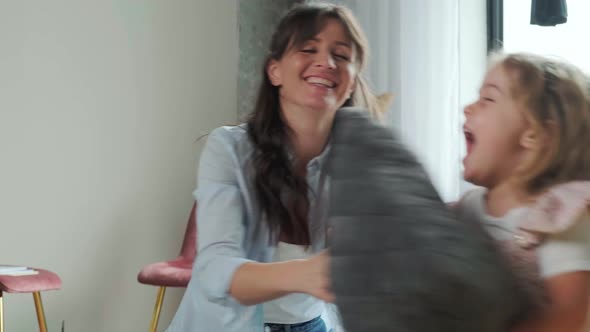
498 136
319 75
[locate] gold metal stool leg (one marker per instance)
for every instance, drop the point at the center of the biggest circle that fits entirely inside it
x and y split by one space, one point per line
1 313
40 312
157 309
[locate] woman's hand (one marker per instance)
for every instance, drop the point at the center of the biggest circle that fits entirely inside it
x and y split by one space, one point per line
314 277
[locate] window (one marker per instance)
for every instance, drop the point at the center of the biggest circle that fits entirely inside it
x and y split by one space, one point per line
568 41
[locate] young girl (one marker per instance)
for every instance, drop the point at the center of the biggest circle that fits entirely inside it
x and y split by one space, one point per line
528 146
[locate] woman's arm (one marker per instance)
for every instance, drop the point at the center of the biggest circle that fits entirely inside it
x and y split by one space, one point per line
255 283
569 295
221 227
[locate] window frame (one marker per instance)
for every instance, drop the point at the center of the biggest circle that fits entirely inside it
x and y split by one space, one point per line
495 24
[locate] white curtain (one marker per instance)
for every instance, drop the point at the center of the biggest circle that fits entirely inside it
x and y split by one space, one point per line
432 59
415 56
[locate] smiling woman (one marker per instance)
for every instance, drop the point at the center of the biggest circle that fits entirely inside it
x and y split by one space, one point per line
319 74
263 186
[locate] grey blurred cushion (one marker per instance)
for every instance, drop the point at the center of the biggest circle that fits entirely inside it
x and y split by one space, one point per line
400 260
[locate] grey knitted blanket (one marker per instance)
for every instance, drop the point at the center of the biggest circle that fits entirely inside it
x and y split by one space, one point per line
400 260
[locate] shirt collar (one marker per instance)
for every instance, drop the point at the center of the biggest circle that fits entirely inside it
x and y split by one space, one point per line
318 161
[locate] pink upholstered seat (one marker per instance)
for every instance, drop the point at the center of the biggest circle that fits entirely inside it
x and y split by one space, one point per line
175 272
172 273
35 284
44 281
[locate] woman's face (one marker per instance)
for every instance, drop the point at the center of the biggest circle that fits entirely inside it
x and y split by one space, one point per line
320 74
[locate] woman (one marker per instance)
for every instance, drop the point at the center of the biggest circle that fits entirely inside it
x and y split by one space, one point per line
262 187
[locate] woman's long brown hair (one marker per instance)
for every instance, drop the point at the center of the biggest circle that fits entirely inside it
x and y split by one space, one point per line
281 192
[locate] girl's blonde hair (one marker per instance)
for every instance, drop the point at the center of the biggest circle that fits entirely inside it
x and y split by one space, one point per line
555 96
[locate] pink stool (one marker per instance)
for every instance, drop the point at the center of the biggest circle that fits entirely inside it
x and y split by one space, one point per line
172 273
44 281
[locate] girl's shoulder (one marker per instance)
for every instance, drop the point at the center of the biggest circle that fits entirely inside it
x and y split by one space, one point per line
559 209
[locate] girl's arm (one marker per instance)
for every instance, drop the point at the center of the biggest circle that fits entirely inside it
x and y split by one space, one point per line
569 295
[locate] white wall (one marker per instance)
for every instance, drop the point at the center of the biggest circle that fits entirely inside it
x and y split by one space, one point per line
100 106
